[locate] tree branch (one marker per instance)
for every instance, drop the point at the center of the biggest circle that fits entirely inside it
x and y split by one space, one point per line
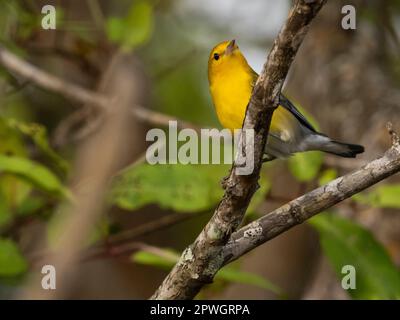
48 81
77 93
201 261
299 210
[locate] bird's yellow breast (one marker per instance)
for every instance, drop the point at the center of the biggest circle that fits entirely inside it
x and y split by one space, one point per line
231 91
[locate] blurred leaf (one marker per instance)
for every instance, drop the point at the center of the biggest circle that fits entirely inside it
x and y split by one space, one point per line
10 141
18 177
115 29
39 136
234 275
16 105
167 259
31 205
5 213
346 243
383 196
134 29
16 22
33 172
13 190
12 263
327 176
100 231
183 188
165 262
305 166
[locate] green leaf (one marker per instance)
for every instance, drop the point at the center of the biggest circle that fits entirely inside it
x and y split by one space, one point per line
38 134
12 263
305 166
183 188
31 205
115 29
5 213
383 196
13 190
165 261
10 141
167 258
234 275
15 16
16 180
100 231
33 172
134 29
346 243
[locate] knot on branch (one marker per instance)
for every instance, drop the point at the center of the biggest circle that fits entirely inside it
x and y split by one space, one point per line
295 213
395 137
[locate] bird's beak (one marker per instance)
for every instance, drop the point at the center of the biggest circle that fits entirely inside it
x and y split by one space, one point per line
230 48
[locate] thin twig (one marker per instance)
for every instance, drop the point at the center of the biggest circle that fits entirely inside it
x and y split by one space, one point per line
78 94
150 227
50 82
124 241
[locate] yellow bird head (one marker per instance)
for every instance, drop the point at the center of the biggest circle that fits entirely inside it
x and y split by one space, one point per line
225 58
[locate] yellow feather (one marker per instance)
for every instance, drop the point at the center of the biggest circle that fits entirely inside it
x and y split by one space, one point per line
231 82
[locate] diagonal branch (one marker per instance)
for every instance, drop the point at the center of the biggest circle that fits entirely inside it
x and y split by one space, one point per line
316 201
76 93
201 261
49 81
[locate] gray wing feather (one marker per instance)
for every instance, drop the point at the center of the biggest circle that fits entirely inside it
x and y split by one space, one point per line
284 102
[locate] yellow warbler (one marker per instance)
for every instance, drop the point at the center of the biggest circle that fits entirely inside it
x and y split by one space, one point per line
231 82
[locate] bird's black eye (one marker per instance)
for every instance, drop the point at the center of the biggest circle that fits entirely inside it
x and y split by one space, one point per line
216 56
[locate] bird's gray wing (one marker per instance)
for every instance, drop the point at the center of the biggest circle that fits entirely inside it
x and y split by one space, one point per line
284 102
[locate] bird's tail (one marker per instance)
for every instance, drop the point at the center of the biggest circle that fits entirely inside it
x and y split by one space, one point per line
346 150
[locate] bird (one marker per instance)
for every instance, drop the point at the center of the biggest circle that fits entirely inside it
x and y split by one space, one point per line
231 81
